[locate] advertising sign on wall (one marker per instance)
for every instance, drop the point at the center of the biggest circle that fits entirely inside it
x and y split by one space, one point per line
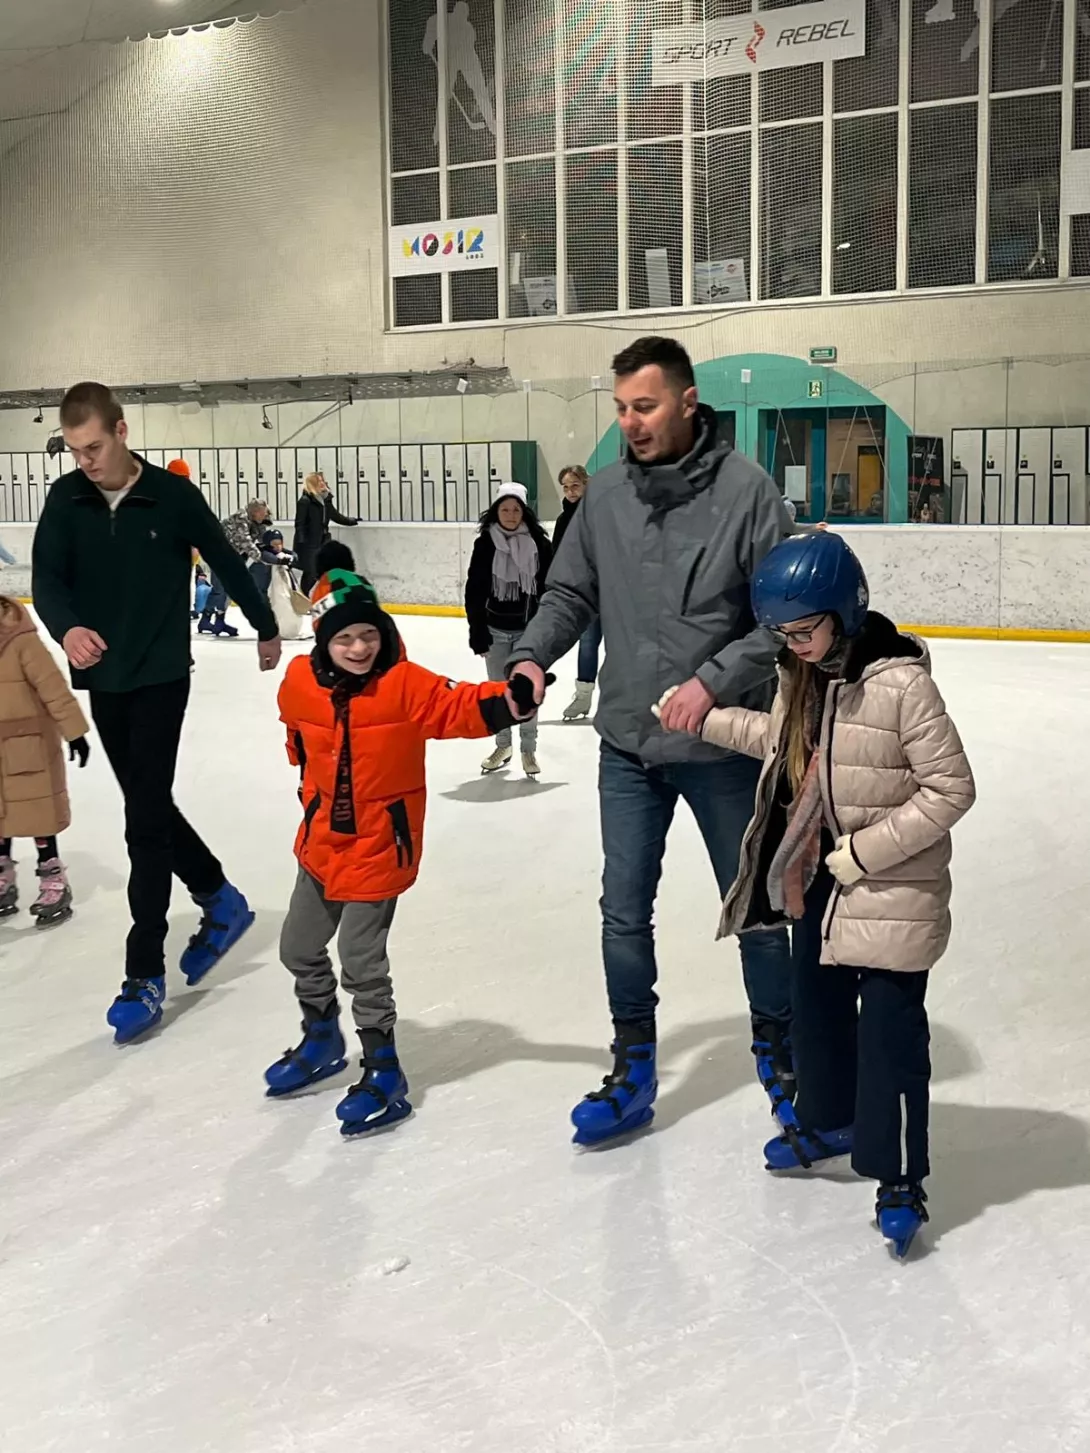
465 244
720 280
828 30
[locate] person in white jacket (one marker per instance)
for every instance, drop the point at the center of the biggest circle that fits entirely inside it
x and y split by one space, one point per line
864 776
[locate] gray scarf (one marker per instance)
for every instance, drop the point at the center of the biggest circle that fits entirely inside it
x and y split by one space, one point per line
515 562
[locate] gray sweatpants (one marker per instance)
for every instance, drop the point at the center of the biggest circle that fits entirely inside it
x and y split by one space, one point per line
361 946
503 643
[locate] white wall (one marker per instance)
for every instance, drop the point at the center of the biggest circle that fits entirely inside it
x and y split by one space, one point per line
1020 577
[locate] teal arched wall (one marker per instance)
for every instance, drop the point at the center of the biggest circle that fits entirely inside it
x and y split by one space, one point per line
775 382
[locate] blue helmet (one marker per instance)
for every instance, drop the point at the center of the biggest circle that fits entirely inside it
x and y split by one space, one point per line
809 575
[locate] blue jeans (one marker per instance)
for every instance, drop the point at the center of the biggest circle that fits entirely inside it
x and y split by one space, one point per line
589 643
216 603
637 805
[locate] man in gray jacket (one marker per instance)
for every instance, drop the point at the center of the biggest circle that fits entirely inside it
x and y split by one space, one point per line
663 548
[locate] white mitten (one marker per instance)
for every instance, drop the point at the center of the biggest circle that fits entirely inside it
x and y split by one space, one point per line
656 710
843 865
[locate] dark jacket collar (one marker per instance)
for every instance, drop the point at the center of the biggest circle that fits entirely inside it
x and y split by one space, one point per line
662 486
879 640
143 489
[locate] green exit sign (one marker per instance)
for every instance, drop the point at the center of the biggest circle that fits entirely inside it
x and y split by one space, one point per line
822 355
817 388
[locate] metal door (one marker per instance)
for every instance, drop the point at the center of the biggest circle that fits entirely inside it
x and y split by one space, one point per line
1000 477
967 464
499 468
265 483
412 504
367 477
19 470
36 477
1069 471
478 488
345 482
454 482
389 482
1034 448
226 485
431 482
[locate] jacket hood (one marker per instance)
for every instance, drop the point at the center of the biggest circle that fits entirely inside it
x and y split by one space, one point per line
879 645
14 621
662 486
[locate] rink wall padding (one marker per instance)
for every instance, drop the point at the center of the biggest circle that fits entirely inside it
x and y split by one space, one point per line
1013 582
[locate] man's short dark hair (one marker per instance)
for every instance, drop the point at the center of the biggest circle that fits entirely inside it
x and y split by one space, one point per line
85 401
668 353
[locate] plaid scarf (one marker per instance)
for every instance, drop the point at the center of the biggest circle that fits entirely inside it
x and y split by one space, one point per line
795 863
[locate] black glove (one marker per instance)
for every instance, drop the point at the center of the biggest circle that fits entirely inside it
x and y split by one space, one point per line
522 689
79 748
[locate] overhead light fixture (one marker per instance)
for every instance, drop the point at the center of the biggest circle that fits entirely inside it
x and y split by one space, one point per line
39 417
266 422
190 388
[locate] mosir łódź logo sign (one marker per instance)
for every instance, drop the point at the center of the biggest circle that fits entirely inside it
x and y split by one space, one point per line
829 30
452 246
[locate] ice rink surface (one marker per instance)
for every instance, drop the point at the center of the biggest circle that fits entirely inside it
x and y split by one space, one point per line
187 1267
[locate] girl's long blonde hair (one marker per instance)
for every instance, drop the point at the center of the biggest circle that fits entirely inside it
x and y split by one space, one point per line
799 687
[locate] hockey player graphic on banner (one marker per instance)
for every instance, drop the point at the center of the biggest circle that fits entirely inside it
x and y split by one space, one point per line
462 60
943 12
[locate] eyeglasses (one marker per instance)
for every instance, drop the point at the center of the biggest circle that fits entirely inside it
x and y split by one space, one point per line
800 638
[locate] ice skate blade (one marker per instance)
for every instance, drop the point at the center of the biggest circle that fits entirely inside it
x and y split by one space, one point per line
8 910
133 1035
323 1074
391 1116
589 1139
194 978
53 920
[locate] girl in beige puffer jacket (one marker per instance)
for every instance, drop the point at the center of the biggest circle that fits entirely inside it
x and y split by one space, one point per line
864 776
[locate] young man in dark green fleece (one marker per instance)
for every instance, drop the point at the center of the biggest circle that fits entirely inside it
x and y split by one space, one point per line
112 566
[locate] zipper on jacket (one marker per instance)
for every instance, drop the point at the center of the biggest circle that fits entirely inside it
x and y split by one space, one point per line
691 580
309 815
839 889
403 839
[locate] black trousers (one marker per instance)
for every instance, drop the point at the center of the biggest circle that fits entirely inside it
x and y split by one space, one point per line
862 1051
140 731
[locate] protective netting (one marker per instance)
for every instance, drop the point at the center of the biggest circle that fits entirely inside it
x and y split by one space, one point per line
652 150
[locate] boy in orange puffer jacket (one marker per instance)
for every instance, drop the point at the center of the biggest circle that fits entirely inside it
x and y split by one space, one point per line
358 715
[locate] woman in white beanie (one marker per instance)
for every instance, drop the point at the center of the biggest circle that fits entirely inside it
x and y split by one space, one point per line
507 570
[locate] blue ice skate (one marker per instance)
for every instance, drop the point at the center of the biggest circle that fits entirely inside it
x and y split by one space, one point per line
627 1097
225 917
379 1099
319 1055
806 1147
901 1211
138 1008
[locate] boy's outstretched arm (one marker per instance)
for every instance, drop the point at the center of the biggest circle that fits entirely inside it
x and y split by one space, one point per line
445 709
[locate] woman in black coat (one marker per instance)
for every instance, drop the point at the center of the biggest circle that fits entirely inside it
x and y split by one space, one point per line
507 570
315 511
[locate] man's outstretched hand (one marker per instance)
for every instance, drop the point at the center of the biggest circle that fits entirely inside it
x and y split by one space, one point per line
268 654
83 647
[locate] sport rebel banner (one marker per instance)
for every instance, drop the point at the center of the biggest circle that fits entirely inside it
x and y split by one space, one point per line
829 30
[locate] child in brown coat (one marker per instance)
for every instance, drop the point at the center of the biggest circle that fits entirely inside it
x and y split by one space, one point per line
37 711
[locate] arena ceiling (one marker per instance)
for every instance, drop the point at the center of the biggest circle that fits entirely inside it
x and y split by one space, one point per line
45 45
44 25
